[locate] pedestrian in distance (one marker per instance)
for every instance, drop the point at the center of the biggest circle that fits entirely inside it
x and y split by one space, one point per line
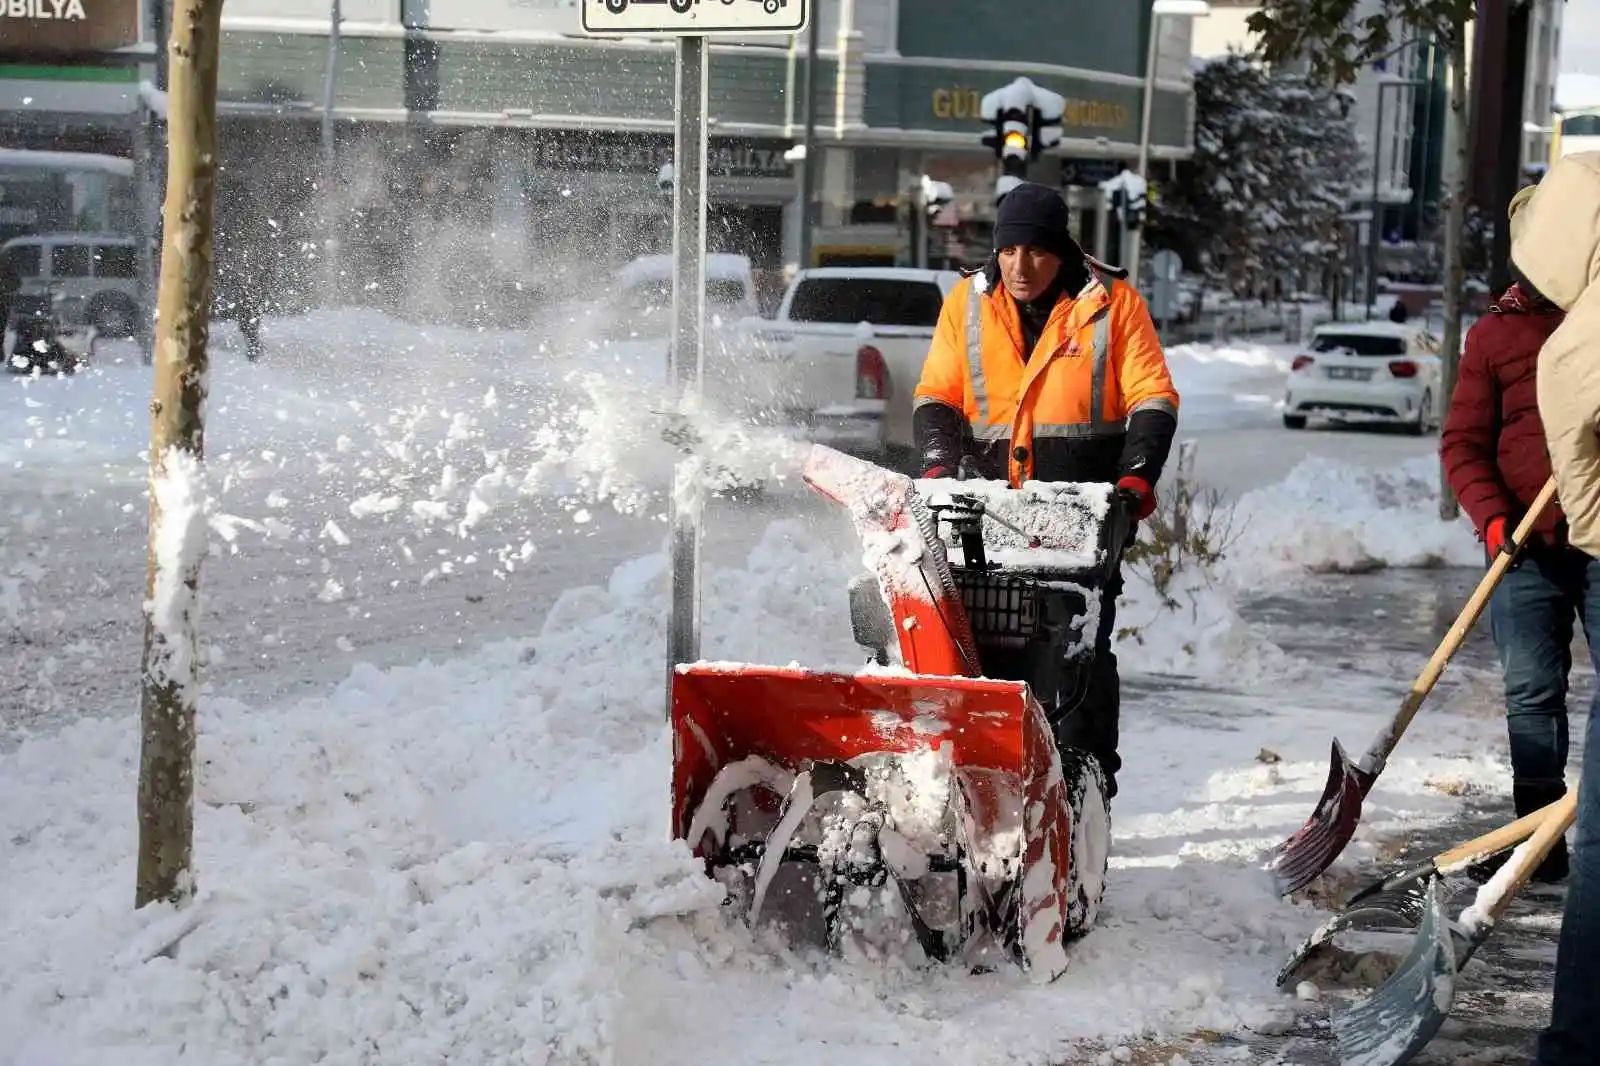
1045 366
1492 449
1555 245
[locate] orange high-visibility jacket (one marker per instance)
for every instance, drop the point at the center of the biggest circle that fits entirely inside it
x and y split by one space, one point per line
1097 362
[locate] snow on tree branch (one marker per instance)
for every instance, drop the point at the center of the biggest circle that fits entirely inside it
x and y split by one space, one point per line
1274 167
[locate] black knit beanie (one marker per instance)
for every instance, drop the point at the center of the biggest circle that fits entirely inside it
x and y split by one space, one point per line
1035 215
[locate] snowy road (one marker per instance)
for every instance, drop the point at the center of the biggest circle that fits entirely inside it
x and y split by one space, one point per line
386 785
360 415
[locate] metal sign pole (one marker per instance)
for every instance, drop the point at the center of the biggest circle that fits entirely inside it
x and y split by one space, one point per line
686 361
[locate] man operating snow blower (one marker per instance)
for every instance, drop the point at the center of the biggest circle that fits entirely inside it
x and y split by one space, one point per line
1046 366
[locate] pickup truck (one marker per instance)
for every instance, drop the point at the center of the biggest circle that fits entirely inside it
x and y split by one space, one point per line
845 351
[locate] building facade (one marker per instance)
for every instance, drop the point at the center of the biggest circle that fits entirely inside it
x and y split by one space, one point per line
1398 108
484 147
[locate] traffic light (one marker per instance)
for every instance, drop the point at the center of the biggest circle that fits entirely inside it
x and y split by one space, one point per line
1127 194
1027 122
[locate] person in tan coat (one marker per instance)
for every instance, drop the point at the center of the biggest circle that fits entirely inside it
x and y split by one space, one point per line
1556 246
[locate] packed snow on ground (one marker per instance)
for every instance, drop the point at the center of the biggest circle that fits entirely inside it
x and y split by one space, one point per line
469 858
1220 385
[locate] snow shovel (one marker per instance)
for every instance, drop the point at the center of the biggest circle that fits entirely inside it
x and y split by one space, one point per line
1302 858
1400 1018
1399 901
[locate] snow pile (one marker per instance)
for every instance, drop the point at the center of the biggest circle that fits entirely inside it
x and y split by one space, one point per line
1334 517
1193 629
1228 384
471 860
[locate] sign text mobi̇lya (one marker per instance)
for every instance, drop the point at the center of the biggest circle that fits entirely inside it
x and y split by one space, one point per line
43 28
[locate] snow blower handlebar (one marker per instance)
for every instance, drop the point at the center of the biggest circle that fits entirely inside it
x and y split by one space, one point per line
966 511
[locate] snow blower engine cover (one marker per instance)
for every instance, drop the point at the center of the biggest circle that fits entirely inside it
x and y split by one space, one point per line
919 803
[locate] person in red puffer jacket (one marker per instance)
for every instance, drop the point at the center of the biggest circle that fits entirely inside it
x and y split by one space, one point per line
1493 450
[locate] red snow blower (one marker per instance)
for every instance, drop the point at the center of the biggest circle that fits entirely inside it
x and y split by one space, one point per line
918 791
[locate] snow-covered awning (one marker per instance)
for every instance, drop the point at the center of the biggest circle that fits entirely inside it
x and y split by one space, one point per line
66 161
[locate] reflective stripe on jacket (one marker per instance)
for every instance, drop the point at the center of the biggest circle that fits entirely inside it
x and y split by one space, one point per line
1098 361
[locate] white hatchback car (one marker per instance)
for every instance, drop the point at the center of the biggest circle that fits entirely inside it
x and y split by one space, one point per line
1367 371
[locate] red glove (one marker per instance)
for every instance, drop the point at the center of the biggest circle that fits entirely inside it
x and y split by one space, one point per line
1143 493
1494 535
935 472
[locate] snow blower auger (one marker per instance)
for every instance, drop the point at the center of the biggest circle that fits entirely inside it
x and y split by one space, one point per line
917 792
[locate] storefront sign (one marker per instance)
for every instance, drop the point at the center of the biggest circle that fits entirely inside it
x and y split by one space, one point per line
1089 172
647 153
31 28
920 96
957 103
961 102
1095 115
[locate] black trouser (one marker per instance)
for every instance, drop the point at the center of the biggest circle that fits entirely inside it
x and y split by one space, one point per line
1082 696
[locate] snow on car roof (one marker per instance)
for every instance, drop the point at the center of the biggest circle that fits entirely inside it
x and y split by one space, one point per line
719 265
1370 329
884 273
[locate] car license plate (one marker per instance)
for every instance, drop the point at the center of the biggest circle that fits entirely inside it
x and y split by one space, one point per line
1350 373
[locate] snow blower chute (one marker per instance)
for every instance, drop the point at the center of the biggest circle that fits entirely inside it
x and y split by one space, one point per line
924 795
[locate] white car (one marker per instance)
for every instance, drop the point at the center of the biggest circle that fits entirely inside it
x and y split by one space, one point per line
844 353
1367 371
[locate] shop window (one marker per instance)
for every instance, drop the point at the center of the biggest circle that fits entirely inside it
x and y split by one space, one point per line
872 212
69 261
21 261
115 261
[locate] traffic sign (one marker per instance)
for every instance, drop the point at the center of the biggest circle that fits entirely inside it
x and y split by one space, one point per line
694 18
1166 265
1088 171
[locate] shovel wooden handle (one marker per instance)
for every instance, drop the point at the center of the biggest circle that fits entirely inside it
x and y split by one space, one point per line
1458 632
1562 814
1494 841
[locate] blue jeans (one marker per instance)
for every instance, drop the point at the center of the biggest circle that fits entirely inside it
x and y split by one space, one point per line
1531 617
1526 595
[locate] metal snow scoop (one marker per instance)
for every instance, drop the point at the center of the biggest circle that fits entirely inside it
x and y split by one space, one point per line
1302 858
1399 902
1398 1020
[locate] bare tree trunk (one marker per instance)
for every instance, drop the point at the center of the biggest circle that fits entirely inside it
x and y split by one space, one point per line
1454 246
170 674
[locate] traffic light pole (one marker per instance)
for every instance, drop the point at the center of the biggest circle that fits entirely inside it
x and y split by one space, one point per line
1135 236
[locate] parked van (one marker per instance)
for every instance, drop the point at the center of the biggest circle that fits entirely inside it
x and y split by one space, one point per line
95 276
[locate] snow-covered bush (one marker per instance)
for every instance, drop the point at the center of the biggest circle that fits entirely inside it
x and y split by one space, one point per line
1184 534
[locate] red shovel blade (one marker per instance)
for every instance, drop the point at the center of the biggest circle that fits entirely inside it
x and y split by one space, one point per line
1301 859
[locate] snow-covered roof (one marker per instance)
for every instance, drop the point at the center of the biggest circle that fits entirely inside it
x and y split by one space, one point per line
66 161
71 237
1369 329
943 277
719 265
